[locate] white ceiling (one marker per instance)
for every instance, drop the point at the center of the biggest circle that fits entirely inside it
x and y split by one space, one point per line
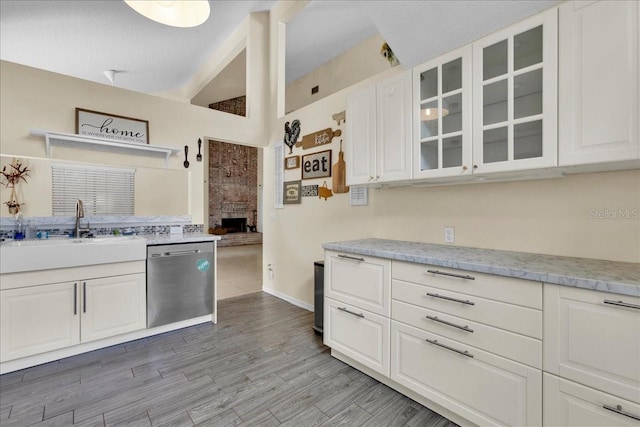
83 38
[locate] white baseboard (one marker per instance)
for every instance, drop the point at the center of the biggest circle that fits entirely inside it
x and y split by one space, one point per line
288 298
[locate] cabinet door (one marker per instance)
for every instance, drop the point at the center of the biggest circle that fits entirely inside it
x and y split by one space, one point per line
393 131
359 334
442 116
360 142
568 404
38 319
591 337
484 388
112 306
598 91
359 280
515 97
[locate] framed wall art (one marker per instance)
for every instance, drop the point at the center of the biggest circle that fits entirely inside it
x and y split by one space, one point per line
291 192
292 162
316 165
112 126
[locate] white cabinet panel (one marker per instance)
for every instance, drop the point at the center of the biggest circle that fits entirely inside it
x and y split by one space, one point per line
359 280
592 341
360 146
568 404
113 306
38 319
479 386
359 334
598 87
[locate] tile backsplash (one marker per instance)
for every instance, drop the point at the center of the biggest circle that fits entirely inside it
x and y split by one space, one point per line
101 225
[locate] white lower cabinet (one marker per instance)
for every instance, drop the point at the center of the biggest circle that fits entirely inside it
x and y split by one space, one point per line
359 334
113 306
38 319
46 317
569 404
483 388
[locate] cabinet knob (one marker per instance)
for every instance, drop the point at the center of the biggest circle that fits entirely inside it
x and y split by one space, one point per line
464 168
475 166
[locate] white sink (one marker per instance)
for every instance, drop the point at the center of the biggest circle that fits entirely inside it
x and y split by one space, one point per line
30 255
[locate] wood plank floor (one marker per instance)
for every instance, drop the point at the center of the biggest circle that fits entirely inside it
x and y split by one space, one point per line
261 365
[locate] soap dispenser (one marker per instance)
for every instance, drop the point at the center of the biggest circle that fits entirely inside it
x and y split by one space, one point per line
19 233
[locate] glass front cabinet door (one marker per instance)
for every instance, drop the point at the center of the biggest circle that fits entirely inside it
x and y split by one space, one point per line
442 116
515 81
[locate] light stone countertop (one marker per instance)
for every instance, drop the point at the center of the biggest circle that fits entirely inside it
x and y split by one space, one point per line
601 275
168 239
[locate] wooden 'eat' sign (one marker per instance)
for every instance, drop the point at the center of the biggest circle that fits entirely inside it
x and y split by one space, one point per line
318 138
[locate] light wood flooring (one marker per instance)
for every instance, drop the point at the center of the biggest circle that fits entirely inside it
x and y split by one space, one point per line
239 270
261 365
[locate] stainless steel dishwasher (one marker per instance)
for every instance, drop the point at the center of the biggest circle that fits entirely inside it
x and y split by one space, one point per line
179 282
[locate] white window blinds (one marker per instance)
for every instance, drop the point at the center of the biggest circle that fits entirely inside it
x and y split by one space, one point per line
103 191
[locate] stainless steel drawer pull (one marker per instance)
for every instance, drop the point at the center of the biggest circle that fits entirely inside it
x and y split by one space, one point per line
444 322
618 410
459 276
84 297
351 257
622 304
351 312
464 353
75 299
451 299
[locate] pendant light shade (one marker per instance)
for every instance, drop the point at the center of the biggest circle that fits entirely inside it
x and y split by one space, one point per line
179 13
433 113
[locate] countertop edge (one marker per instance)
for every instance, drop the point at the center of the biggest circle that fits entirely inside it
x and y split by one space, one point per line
538 274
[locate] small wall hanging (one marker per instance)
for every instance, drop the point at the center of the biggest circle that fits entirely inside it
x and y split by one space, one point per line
199 156
11 176
292 162
186 156
291 134
316 165
324 191
340 117
309 190
316 139
291 190
340 174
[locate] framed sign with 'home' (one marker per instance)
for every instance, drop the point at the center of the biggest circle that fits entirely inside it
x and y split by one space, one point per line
111 126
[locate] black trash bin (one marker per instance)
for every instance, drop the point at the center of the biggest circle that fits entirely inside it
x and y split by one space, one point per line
318 302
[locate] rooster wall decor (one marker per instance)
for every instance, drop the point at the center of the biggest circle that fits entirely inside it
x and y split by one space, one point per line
291 134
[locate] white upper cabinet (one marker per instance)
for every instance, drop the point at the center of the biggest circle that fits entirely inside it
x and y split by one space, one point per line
442 116
515 96
598 91
378 147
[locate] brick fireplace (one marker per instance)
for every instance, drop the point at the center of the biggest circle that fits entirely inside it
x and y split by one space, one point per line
233 192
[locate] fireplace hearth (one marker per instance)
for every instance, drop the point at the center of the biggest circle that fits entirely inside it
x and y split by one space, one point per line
235 225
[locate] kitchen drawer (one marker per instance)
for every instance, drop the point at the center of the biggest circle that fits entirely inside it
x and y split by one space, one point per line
359 280
512 346
506 289
484 388
514 318
359 334
591 339
568 404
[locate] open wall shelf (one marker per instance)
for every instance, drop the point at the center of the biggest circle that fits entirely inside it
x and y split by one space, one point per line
92 143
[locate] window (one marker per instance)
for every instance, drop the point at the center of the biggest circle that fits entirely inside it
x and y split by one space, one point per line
103 190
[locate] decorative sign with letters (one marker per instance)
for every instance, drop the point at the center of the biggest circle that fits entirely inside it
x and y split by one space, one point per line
309 191
316 165
318 138
111 126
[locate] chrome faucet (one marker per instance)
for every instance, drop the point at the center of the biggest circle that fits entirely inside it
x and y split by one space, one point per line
79 214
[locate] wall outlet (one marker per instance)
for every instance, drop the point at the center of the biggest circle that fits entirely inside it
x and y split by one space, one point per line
449 235
270 271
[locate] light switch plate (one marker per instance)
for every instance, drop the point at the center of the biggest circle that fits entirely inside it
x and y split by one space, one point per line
449 235
175 229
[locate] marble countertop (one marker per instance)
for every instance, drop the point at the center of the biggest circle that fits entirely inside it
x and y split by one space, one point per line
167 239
601 275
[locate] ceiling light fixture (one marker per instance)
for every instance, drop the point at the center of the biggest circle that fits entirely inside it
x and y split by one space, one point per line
429 113
180 13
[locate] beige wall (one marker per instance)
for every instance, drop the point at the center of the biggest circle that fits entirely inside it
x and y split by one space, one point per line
354 65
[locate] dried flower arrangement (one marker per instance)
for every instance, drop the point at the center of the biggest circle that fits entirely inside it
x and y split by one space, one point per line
11 176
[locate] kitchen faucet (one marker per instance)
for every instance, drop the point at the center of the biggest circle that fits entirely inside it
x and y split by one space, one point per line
79 214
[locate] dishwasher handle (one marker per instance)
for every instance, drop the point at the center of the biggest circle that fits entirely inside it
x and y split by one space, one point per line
176 253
